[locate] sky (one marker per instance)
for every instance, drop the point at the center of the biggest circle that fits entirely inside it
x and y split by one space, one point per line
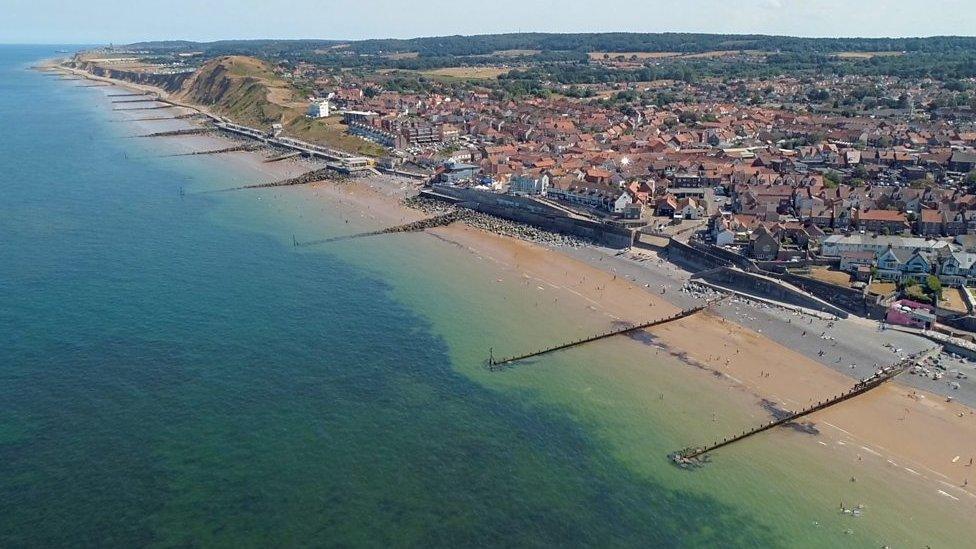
124 21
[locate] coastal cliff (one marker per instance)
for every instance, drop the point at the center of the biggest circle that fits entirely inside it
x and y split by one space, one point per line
242 88
246 91
168 82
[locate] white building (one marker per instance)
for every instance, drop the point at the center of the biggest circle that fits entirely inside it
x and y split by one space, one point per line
835 245
319 109
621 203
528 185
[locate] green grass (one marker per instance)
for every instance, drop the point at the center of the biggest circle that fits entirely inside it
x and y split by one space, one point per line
330 132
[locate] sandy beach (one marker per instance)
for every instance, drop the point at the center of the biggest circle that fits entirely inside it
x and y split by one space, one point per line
897 427
896 423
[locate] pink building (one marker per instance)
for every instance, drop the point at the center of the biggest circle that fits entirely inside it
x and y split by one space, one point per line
910 313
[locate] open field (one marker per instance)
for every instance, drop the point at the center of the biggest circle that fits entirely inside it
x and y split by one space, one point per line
480 73
834 277
866 54
402 55
515 53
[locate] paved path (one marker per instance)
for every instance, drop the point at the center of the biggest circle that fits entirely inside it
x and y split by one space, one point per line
855 340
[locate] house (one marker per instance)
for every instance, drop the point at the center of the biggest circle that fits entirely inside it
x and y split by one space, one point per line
689 208
962 161
666 206
723 235
930 222
917 268
851 261
621 203
901 265
834 245
634 210
599 197
529 185
763 245
597 175
882 221
890 263
958 269
721 230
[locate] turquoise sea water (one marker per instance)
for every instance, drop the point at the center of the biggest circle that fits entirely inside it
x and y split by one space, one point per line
171 376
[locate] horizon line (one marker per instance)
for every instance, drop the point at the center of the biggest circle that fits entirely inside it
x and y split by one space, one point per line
310 39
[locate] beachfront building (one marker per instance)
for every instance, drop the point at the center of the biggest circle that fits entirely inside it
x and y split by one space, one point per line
452 173
835 245
952 268
622 203
529 185
900 265
958 269
910 313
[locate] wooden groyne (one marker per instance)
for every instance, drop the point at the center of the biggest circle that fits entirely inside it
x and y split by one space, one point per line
144 100
172 133
314 176
128 94
495 364
238 148
151 118
697 455
416 226
147 119
285 156
146 108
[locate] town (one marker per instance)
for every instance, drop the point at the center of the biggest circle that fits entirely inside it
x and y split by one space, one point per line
855 185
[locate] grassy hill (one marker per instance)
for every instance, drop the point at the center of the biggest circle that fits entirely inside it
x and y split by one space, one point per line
247 91
243 89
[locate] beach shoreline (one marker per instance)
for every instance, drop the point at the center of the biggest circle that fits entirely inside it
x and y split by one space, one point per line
916 428
913 428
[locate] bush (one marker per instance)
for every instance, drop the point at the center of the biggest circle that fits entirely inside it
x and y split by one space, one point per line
917 293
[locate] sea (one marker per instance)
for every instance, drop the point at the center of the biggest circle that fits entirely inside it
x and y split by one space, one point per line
175 372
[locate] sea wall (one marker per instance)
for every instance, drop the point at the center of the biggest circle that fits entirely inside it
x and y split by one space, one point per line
767 288
782 266
848 299
729 256
537 214
693 258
